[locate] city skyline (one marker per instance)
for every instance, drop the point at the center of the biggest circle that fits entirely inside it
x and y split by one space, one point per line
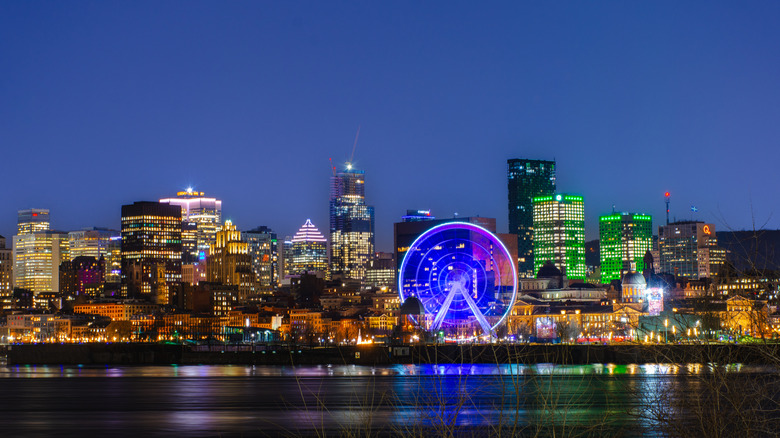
248 102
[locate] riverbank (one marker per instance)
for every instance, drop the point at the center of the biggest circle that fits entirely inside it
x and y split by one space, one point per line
162 354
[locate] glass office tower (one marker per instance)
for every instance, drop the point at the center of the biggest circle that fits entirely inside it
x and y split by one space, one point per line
527 179
351 226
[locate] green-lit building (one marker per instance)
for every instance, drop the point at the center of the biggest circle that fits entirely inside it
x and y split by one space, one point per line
559 233
624 240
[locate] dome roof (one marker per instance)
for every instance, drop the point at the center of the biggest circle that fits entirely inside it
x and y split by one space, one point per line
412 306
634 279
549 270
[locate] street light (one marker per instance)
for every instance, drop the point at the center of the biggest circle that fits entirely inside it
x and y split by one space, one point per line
666 331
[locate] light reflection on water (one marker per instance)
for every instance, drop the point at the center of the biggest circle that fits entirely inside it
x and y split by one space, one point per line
231 400
205 371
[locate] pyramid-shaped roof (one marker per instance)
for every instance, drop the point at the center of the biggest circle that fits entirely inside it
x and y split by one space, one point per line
308 233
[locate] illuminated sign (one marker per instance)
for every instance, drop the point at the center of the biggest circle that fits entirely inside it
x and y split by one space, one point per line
706 229
655 300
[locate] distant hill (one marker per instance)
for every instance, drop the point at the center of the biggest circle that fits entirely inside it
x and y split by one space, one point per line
748 249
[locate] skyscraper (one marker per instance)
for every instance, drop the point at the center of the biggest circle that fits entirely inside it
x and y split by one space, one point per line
37 259
690 249
351 225
308 252
264 251
92 242
32 220
229 262
527 179
625 238
203 211
559 233
151 250
38 252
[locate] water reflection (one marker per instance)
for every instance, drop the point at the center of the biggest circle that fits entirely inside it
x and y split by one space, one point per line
408 399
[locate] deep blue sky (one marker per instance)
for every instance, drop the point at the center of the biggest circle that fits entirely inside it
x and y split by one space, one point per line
105 103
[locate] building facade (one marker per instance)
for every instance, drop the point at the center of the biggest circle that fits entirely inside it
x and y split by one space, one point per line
229 263
559 233
526 180
308 252
351 225
206 213
151 250
381 271
624 239
6 275
690 249
264 251
37 258
32 220
84 275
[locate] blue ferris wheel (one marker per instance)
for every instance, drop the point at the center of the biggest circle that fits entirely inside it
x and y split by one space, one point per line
464 277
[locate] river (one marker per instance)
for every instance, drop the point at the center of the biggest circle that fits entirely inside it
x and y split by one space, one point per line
401 400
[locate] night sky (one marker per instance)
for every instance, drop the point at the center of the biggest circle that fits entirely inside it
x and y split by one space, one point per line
105 103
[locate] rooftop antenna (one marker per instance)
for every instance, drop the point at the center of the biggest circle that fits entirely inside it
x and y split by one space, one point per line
667 196
332 166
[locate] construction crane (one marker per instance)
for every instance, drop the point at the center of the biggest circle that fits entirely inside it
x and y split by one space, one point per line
351 157
354 145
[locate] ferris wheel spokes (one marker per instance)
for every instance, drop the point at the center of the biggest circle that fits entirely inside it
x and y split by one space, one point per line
457 286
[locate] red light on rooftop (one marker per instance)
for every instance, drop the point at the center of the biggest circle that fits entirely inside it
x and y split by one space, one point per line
666 194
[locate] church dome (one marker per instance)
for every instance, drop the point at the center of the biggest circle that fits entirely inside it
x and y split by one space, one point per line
549 270
412 306
634 279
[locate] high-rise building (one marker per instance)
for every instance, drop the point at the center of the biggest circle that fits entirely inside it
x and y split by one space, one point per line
151 250
206 213
189 244
6 275
229 263
308 252
97 243
690 249
92 242
351 225
625 238
113 272
287 256
264 250
559 233
37 258
32 220
381 271
527 179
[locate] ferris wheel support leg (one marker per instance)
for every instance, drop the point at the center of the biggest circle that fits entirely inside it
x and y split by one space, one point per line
480 317
445 307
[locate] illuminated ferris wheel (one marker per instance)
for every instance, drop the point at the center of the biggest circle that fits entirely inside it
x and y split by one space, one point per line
464 277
